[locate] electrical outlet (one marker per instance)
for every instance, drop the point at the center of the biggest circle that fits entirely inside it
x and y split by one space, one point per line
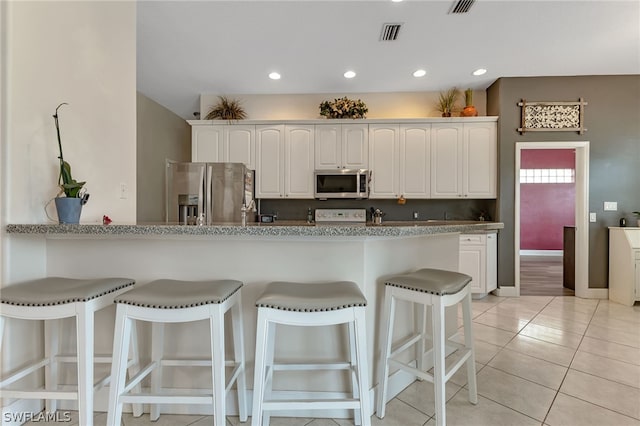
124 191
592 217
611 206
415 215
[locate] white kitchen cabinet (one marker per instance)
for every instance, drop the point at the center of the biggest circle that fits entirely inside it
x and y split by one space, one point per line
624 265
298 162
284 161
207 143
463 160
384 151
479 259
223 143
479 160
415 161
269 161
399 157
341 146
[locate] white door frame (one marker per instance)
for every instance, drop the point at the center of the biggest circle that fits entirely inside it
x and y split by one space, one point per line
581 211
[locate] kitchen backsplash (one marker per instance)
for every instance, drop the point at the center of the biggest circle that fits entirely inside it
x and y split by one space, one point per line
427 209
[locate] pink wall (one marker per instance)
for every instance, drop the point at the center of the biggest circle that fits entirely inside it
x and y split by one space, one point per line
545 208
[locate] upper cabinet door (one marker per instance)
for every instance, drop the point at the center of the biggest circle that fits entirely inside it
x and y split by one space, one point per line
239 145
206 143
328 146
415 161
446 160
355 146
480 160
270 161
383 160
298 163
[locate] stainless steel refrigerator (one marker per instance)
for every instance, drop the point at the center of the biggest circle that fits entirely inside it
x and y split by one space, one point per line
208 193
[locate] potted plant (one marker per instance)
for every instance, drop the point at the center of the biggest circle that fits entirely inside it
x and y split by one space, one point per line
226 109
344 108
447 101
68 207
469 110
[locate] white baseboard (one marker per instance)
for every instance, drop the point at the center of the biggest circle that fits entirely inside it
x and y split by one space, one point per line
541 252
506 292
597 293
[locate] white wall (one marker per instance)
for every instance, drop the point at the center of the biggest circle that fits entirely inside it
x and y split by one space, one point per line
306 106
82 53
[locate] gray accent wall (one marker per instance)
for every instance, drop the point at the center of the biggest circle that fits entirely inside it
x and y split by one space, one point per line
612 119
161 135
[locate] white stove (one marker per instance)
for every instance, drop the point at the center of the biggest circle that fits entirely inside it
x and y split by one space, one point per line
341 216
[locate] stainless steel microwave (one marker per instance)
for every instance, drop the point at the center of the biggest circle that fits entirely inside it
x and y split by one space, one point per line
342 183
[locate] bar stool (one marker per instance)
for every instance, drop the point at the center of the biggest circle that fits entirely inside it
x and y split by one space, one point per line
434 289
310 305
52 299
172 301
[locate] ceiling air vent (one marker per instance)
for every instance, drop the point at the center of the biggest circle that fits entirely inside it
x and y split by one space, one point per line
390 32
462 6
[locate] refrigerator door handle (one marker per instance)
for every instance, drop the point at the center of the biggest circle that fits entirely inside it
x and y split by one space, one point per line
209 195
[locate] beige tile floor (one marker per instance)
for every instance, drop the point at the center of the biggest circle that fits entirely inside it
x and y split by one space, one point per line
540 361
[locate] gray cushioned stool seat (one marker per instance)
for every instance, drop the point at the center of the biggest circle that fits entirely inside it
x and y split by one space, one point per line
176 294
57 291
311 297
434 281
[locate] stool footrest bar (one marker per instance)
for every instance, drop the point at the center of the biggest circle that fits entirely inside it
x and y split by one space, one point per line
318 404
140 398
24 372
39 394
317 366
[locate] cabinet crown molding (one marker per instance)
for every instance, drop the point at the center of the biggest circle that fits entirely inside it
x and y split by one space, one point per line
350 121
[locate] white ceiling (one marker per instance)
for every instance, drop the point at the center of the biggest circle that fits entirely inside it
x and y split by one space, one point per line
187 48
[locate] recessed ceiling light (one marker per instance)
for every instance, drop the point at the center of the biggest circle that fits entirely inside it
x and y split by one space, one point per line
274 76
479 71
349 74
419 73
396 1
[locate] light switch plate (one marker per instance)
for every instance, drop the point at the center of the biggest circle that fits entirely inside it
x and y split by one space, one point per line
611 205
592 217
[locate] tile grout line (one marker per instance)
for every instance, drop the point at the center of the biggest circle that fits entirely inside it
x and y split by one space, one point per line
571 362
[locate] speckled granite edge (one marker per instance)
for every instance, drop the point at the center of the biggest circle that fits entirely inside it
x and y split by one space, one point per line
251 230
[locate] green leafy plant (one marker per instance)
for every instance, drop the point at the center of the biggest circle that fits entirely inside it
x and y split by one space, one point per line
343 108
226 109
71 187
447 101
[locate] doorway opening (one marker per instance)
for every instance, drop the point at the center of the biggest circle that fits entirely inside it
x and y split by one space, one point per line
547 216
577 204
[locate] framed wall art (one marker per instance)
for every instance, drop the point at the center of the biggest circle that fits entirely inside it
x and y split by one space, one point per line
552 116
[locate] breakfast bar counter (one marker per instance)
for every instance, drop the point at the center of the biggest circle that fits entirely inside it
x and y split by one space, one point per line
255 254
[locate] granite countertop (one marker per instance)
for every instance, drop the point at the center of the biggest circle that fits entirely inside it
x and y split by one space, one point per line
277 229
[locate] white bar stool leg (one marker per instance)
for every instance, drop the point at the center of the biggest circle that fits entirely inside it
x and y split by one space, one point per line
122 334
239 357
262 333
353 360
51 350
135 366
420 326
157 351
85 331
270 361
363 364
468 342
216 322
438 360
388 318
